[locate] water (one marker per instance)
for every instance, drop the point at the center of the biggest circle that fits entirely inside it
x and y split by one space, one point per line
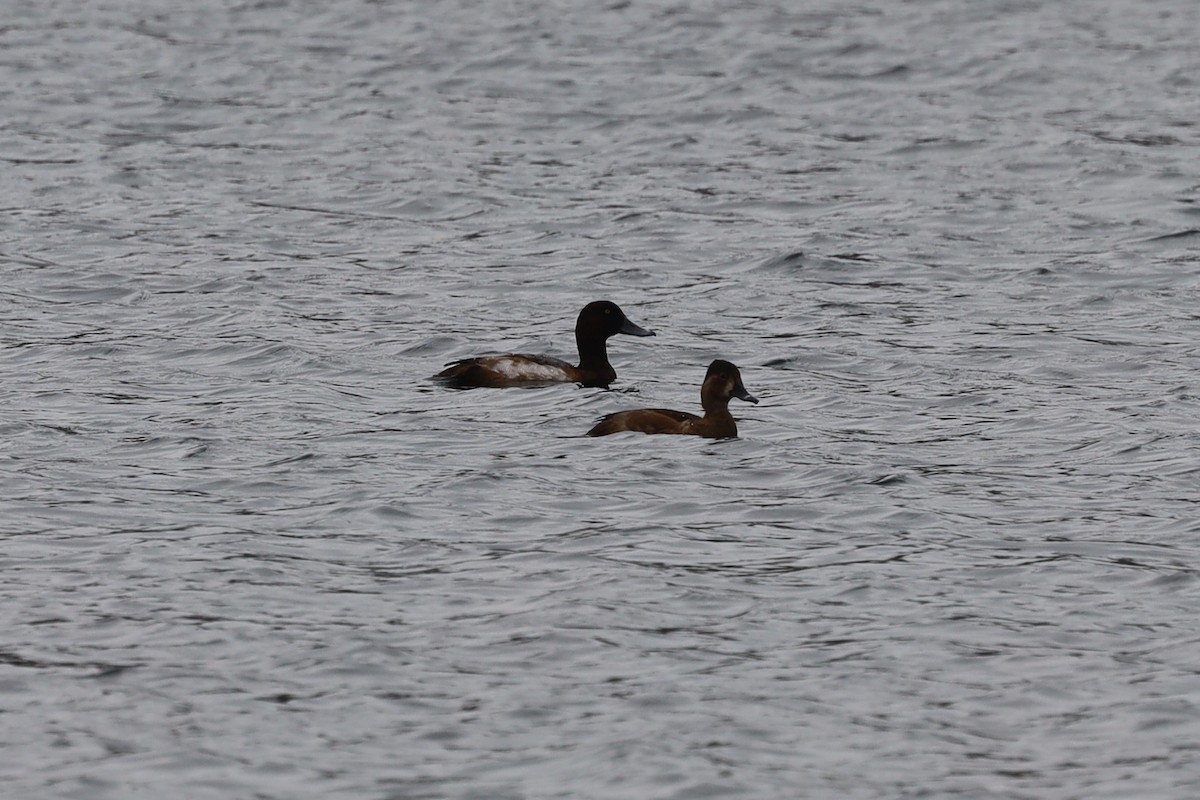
250 551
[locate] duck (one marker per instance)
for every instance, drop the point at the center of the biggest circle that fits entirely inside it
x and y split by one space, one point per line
597 323
722 382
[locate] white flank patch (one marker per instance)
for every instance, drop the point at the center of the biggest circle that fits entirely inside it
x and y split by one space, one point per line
519 370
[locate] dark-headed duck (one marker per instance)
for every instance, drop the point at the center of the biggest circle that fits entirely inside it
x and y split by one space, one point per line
597 322
722 382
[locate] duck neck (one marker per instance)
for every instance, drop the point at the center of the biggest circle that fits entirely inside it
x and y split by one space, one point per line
717 421
715 403
717 412
593 354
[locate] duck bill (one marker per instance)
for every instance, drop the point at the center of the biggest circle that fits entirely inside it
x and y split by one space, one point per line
629 328
742 394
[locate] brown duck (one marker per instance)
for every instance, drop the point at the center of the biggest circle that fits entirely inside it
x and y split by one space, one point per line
722 382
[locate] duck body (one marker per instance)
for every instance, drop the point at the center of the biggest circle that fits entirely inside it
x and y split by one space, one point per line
722 382
665 420
517 369
597 323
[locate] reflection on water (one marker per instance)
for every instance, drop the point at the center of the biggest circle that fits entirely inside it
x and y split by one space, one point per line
253 551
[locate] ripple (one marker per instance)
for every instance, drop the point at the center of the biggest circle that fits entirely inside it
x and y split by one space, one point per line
949 247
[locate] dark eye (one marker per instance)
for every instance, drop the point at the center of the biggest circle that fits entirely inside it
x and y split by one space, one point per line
608 311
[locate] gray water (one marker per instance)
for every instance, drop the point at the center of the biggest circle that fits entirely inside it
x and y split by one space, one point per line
251 551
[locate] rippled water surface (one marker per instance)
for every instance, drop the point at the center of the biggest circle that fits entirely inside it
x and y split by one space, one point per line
251 551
